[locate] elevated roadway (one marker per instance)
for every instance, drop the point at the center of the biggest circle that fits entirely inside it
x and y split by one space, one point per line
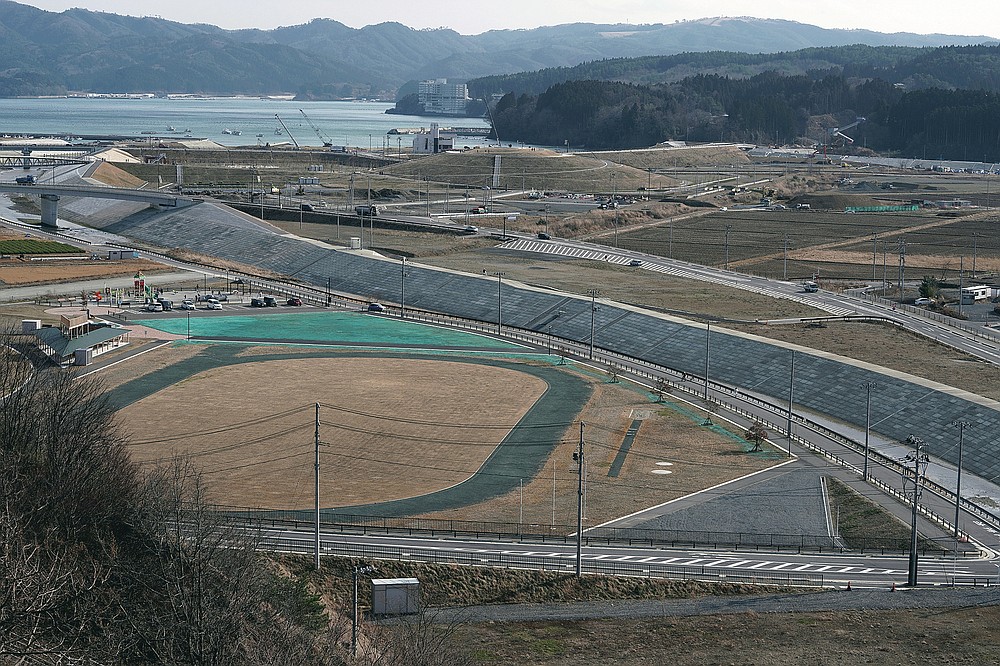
51 193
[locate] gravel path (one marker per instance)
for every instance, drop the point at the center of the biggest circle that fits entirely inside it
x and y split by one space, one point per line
827 600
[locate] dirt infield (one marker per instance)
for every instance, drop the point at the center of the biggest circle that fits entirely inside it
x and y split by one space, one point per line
390 428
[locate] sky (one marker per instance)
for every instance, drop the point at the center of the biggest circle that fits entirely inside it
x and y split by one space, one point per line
959 17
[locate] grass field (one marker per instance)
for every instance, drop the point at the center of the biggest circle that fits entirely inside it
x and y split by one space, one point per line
390 428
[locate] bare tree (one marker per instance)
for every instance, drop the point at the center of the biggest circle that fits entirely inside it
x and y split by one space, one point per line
755 434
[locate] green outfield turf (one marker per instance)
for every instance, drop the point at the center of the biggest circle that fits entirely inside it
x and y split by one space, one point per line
327 327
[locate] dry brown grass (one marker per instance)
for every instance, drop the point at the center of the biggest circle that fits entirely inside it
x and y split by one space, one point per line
390 429
14 272
111 175
700 458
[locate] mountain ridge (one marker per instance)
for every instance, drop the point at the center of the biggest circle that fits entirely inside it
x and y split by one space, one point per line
81 50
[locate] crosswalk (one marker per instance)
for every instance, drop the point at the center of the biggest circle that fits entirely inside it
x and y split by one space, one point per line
673 268
706 562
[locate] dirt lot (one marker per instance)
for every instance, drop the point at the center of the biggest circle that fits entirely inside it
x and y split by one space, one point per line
389 428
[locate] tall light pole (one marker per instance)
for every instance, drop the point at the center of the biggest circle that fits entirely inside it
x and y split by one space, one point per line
961 425
791 400
402 291
593 315
728 227
784 265
499 275
919 460
868 386
708 340
578 457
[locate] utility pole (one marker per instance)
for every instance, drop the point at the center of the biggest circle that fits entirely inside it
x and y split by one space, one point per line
578 457
593 315
919 460
961 425
868 386
358 570
316 466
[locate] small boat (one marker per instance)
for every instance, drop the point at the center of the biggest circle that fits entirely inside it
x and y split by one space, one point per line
226 130
277 131
237 132
259 135
170 128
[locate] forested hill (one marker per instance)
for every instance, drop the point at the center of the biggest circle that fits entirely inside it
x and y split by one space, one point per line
971 67
768 108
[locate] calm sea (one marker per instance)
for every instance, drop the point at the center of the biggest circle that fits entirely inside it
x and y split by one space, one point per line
359 124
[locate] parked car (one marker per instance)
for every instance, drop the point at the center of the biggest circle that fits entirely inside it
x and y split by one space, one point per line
187 305
923 301
154 307
270 302
294 301
213 305
256 302
376 307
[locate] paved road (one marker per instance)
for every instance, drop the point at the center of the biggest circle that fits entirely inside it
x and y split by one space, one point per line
808 568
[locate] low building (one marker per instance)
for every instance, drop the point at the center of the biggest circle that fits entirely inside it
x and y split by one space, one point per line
77 340
429 143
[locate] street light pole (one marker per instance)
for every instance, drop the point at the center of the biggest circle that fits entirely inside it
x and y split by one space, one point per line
791 400
593 314
962 425
708 340
499 276
402 292
728 227
868 386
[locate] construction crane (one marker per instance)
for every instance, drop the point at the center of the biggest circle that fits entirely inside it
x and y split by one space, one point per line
278 118
327 141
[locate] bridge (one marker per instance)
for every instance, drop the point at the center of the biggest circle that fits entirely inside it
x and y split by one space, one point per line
50 195
13 156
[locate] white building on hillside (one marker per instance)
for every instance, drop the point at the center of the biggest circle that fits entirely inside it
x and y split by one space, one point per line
443 98
428 143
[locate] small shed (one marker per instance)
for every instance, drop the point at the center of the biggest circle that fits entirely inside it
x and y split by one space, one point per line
395 596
